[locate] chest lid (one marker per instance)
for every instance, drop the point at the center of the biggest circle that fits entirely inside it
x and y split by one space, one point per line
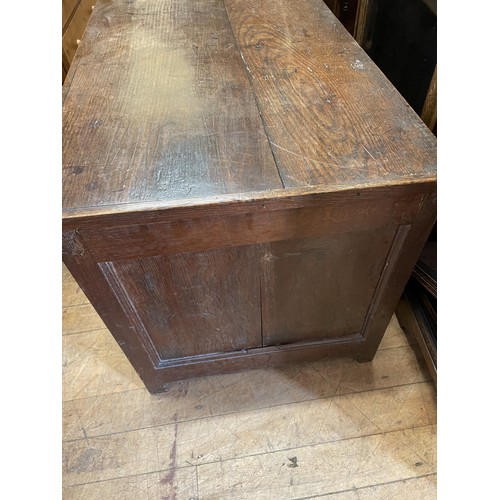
171 102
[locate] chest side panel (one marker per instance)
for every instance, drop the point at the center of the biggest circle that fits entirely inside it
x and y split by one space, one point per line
193 303
186 294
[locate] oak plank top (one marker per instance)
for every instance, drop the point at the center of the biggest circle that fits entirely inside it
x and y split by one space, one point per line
174 101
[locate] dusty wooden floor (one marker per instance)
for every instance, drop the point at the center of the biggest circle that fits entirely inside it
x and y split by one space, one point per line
330 429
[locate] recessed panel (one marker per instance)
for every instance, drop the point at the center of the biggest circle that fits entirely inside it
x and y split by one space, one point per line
320 288
195 303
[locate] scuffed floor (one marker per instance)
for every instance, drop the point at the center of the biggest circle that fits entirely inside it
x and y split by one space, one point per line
334 428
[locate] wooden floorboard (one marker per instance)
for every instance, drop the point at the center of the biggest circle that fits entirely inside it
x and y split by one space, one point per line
328 429
94 364
80 318
72 295
423 487
153 486
395 337
337 466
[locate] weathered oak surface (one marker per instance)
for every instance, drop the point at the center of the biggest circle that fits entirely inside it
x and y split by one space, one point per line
159 107
242 187
331 115
172 100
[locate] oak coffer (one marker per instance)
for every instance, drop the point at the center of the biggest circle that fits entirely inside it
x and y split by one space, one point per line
242 186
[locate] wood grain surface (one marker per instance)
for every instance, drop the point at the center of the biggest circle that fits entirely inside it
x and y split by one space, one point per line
223 226
303 472
318 288
175 294
159 107
331 115
168 101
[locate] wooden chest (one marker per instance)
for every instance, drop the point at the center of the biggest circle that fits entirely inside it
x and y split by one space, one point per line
242 186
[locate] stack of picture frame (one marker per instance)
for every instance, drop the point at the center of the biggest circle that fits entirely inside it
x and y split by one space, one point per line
417 309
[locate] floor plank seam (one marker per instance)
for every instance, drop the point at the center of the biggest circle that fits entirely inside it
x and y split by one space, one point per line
118 478
179 467
314 445
395 347
197 482
104 395
237 412
86 331
267 406
294 448
72 306
342 377
270 406
412 478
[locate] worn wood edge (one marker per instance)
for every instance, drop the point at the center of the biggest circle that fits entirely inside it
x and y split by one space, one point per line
410 250
266 357
108 271
166 237
389 265
72 213
259 351
252 201
94 285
